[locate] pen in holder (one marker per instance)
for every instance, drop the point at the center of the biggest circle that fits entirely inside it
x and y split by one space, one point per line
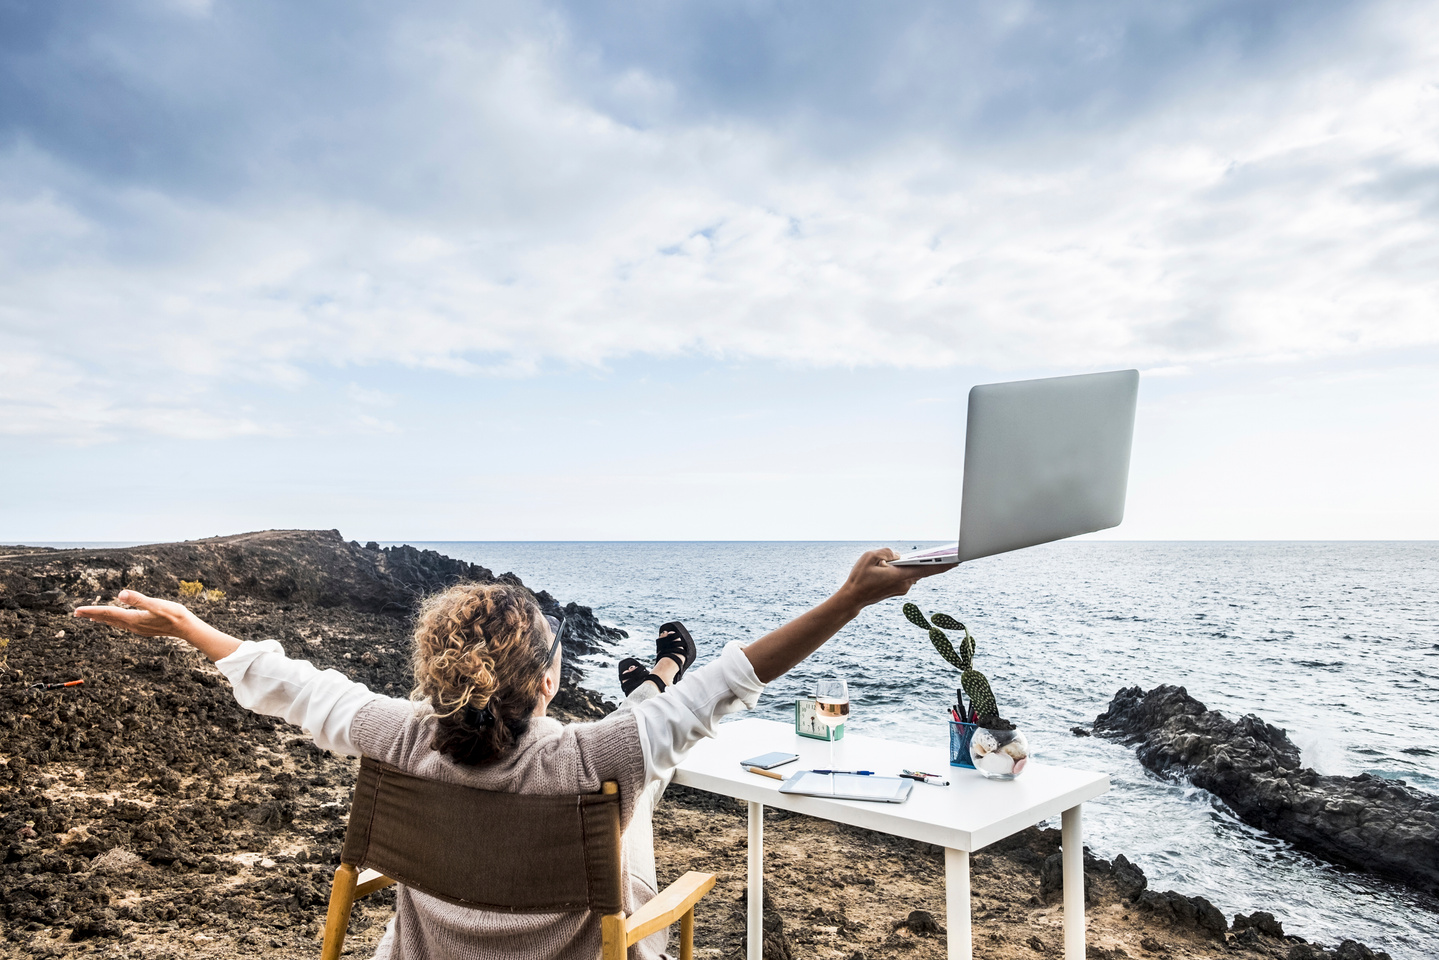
960 734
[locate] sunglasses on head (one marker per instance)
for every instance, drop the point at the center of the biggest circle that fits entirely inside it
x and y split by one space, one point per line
557 627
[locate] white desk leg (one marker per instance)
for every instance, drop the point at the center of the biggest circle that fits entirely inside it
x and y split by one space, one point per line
956 904
1072 839
755 922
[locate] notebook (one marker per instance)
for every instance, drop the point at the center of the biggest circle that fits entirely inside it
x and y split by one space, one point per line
848 786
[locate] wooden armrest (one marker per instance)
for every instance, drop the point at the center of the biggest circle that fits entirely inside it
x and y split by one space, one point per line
369 881
671 903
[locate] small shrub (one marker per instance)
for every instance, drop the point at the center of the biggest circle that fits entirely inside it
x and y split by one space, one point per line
214 596
191 588
117 860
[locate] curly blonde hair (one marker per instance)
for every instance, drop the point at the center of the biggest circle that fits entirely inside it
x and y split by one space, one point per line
480 660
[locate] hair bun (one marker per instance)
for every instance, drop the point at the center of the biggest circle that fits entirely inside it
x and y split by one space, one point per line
480 643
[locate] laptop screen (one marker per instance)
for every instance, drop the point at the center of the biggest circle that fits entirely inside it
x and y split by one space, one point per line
1045 459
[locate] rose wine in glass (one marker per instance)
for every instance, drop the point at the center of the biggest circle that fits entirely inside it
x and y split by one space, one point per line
831 709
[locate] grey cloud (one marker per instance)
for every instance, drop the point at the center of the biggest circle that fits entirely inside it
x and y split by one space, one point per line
252 99
1400 180
356 98
242 196
137 94
850 75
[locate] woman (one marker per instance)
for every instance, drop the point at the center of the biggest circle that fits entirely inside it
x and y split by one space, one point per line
487 665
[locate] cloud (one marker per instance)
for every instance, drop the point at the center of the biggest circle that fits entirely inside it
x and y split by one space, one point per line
42 395
980 75
200 204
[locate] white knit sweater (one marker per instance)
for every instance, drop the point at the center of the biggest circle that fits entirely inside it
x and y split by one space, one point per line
635 746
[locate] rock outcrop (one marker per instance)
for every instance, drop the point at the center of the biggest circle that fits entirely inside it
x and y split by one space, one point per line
1365 822
149 778
293 568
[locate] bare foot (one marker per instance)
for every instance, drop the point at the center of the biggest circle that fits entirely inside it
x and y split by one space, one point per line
665 669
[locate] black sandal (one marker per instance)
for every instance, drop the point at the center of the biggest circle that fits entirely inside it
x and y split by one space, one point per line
633 674
679 645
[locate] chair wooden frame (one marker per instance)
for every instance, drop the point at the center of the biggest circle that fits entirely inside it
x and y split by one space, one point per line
675 903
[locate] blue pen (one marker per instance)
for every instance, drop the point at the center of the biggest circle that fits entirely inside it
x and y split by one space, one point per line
857 773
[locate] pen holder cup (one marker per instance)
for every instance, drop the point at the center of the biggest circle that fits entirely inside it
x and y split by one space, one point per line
960 734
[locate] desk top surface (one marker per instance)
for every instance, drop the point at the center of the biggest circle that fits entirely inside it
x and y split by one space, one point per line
969 814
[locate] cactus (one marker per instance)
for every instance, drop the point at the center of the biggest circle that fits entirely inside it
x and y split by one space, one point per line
964 657
915 617
981 698
945 648
975 684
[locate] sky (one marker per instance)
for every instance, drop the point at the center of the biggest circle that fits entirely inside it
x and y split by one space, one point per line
713 270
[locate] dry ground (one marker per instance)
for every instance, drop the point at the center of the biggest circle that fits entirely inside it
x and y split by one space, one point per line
146 815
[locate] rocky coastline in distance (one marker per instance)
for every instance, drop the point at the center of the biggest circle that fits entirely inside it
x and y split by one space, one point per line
144 813
1365 823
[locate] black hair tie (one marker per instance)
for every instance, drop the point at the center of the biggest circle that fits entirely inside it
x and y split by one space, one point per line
479 719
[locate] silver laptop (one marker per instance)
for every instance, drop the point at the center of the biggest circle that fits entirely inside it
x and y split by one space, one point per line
1043 460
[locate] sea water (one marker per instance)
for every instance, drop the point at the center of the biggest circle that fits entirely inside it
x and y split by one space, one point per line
1337 643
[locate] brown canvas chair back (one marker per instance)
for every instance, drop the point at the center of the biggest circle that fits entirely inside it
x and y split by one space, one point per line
480 848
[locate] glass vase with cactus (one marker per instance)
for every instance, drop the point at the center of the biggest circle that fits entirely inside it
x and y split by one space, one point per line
995 746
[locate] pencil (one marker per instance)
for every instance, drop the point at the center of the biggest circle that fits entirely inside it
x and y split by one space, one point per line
764 773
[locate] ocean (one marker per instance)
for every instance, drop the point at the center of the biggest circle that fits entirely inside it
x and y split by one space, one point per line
1337 643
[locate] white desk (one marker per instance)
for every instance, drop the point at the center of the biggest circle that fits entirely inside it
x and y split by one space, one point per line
964 817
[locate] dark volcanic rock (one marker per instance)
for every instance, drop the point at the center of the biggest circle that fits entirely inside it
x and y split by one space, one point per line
1121 882
921 923
1177 909
1104 882
575 702
1259 920
1347 950
150 778
311 568
1364 822
776 941
293 566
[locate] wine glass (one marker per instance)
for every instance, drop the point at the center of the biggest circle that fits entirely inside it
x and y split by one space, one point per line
831 709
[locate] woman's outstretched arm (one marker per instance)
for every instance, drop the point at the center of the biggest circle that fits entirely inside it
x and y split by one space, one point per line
670 724
152 617
871 580
323 703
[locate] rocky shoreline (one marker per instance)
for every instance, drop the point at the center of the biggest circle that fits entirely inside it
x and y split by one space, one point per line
1364 823
144 813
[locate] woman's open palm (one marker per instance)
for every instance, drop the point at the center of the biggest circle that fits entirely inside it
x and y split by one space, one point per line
147 616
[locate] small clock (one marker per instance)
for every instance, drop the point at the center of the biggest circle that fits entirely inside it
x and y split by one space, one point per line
806 723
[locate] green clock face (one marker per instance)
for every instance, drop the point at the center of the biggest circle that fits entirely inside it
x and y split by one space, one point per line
807 724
